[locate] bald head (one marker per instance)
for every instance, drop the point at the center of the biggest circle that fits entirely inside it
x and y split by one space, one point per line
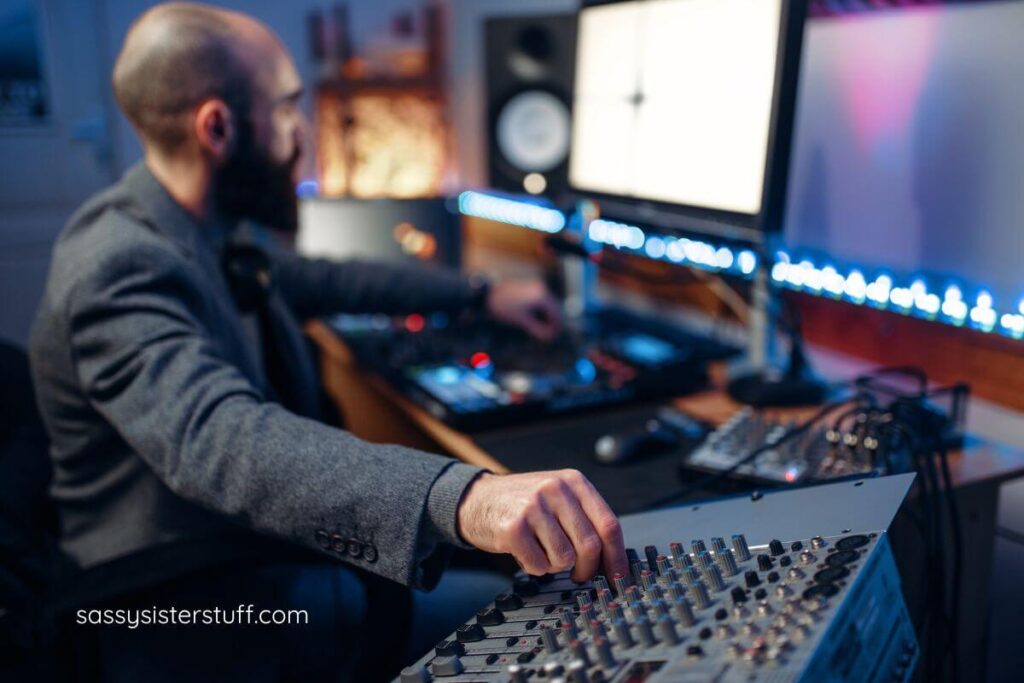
179 54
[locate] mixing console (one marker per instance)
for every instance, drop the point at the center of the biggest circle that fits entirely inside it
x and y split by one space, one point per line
796 607
819 453
480 374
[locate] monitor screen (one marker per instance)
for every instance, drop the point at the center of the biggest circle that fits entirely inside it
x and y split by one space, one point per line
675 102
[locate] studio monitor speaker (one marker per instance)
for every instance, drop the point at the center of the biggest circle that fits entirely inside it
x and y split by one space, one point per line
530 61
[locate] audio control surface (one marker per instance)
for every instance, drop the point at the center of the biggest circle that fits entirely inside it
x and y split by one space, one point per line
478 374
819 607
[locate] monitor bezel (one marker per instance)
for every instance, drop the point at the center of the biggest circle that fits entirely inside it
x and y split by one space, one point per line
752 229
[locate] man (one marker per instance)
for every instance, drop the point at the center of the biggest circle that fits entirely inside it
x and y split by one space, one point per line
188 461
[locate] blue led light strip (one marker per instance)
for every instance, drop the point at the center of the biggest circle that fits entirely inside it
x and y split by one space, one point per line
907 295
512 211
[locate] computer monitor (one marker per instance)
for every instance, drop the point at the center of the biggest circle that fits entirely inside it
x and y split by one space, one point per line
683 112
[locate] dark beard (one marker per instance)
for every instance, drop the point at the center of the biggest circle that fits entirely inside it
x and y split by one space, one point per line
251 186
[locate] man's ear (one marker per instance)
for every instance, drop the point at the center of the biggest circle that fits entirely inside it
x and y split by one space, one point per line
215 129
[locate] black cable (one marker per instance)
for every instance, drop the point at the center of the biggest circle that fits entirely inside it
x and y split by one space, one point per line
958 549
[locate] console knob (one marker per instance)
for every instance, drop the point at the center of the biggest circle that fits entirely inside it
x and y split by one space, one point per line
647 579
664 566
526 587
764 562
775 547
623 637
600 583
728 562
698 546
684 611
579 653
651 553
549 638
718 543
578 672
705 560
667 629
807 557
690 575
508 602
620 584
680 559
643 627
553 669
469 633
446 666
739 544
751 579
448 648
490 616
615 610
516 674
817 542
714 577
414 674
701 595
604 652
604 597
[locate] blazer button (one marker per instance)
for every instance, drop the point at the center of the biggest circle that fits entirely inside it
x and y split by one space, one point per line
355 548
370 553
323 539
337 543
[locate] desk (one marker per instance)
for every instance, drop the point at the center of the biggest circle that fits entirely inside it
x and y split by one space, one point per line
376 412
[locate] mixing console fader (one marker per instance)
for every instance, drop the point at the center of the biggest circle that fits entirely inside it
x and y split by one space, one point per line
777 603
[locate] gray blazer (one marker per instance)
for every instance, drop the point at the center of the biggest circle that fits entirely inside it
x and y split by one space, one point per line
168 454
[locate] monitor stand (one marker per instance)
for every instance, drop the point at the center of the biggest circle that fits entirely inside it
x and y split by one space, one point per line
766 385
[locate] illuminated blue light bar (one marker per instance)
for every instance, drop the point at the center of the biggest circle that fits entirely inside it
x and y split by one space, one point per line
515 212
911 295
691 252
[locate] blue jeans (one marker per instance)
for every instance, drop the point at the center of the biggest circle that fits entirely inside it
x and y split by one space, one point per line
343 626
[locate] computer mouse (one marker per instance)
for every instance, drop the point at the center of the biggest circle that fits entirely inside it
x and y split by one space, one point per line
627 446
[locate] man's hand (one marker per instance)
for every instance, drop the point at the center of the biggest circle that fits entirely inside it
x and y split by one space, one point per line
548 521
527 304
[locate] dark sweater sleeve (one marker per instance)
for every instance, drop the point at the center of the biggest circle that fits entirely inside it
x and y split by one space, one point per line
314 287
140 336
